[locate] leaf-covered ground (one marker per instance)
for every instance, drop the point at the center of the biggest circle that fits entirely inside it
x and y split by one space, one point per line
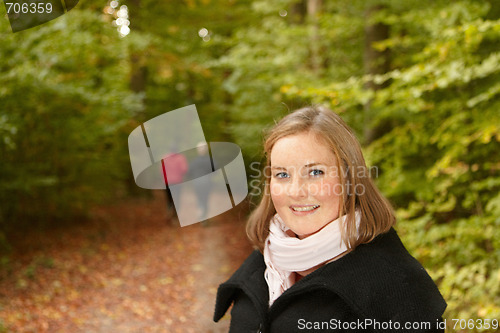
127 270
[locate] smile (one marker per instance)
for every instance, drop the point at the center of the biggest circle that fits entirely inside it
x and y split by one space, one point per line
304 208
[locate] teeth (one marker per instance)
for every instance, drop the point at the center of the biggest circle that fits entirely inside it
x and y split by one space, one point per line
305 209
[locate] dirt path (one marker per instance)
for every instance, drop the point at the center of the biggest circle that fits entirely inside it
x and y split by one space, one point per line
128 270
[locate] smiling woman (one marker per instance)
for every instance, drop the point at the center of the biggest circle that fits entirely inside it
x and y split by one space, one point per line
304 190
327 250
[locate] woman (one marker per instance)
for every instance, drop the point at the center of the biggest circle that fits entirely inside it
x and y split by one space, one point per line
328 258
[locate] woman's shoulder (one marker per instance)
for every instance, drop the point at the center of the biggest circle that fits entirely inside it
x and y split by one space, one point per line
387 256
384 281
252 266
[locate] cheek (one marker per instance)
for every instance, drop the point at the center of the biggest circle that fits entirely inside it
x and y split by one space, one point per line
327 190
277 193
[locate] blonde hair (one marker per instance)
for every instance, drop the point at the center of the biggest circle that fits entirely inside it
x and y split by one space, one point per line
377 215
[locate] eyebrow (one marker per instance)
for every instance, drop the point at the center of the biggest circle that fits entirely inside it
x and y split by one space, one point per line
305 166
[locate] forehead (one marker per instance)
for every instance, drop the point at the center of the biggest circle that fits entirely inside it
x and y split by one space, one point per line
301 149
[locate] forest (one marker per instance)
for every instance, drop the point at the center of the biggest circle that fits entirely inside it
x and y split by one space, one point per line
418 81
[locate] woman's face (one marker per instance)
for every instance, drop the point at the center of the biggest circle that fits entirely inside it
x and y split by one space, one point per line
305 187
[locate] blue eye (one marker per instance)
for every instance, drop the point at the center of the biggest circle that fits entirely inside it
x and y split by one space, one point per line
282 175
316 172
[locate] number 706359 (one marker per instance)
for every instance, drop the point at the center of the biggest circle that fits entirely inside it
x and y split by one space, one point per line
478 324
26 7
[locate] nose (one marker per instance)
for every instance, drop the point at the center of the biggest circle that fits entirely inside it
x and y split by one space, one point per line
297 188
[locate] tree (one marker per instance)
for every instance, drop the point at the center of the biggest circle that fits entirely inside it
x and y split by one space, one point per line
65 103
438 162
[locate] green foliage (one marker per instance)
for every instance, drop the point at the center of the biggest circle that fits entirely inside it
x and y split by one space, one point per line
65 102
67 105
436 118
3 329
438 155
274 54
37 262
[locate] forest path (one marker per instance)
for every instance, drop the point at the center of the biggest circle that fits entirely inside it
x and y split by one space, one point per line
126 270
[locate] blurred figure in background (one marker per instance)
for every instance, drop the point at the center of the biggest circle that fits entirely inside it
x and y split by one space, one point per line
200 166
175 166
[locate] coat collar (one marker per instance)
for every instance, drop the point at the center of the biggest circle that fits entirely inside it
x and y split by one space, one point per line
249 278
381 271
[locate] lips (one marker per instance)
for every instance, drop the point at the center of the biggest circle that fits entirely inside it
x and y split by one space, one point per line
307 208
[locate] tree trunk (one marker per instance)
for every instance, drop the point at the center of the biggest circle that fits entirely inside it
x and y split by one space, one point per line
137 84
138 75
313 10
298 12
375 62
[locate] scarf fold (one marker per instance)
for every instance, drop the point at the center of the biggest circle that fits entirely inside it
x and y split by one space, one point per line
284 254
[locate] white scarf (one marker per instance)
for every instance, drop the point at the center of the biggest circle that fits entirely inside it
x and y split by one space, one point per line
285 255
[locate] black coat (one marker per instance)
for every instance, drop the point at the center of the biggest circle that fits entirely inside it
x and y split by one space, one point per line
370 289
